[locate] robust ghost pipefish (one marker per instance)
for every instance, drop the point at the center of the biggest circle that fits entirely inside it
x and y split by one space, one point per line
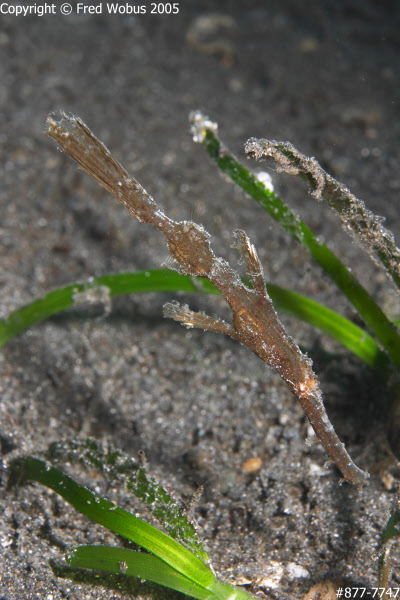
254 320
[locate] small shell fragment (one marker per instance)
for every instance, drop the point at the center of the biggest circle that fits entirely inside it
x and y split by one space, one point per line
253 465
323 591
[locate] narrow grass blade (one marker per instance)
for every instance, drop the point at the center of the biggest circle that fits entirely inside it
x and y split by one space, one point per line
178 564
116 519
134 564
392 529
347 333
157 280
118 467
164 280
379 324
389 534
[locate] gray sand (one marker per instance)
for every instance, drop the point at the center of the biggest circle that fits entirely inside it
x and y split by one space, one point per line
198 404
